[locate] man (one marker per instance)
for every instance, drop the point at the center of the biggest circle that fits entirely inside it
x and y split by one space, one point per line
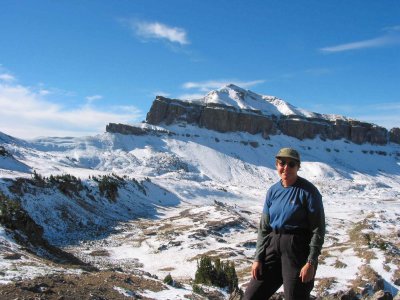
290 234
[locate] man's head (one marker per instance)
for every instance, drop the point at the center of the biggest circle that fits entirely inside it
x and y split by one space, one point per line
288 153
287 164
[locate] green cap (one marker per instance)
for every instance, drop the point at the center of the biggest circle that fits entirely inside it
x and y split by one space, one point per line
288 152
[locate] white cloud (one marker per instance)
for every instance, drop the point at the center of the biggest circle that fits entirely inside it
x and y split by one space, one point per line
156 30
206 86
26 113
191 96
391 37
94 98
7 77
44 92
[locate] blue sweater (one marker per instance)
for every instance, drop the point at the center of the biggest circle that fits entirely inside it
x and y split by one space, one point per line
295 207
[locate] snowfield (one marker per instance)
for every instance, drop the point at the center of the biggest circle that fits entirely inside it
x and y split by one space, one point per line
201 192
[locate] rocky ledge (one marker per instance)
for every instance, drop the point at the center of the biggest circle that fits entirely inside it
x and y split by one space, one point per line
224 118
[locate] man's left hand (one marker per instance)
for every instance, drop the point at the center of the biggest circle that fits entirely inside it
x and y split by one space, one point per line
307 272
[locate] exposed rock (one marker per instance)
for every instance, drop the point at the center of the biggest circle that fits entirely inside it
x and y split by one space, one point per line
224 118
237 294
12 256
362 132
397 281
342 295
382 295
348 295
125 129
254 144
303 129
397 297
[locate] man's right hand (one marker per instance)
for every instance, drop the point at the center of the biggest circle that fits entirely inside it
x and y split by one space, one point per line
256 270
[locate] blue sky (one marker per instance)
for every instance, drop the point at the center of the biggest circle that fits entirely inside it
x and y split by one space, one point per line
70 67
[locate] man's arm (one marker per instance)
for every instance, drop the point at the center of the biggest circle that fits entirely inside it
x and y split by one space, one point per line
316 219
263 230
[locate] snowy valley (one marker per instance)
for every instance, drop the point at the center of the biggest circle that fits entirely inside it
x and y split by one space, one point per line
183 191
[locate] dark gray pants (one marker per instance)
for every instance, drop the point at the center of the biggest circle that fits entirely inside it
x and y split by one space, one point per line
286 254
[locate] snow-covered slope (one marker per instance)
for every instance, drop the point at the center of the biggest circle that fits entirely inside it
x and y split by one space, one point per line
234 96
185 173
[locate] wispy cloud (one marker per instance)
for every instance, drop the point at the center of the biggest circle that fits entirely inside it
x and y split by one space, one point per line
7 77
191 96
94 97
203 87
27 113
158 31
390 37
91 99
206 86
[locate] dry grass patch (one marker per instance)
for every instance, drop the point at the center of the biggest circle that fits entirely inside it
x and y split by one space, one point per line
365 254
339 265
356 234
367 278
396 274
323 285
167 269
243 272
100 252
324 254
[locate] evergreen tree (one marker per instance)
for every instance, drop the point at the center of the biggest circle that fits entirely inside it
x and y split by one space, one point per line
168 280
217 273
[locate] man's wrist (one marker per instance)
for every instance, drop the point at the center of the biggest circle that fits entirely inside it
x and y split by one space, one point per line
311 262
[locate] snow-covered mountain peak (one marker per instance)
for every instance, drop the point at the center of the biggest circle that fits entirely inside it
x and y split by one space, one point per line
234 96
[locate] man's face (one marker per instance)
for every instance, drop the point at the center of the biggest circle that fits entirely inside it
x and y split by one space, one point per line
287 168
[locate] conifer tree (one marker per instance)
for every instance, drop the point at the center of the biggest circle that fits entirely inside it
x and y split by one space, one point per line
217 273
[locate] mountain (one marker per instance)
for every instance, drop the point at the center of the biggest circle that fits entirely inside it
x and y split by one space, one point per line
128 207
235 109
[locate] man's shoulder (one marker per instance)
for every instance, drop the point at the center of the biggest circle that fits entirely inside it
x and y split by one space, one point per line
276 186
306 185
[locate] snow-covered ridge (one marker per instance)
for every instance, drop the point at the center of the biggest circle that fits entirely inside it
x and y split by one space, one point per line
237 97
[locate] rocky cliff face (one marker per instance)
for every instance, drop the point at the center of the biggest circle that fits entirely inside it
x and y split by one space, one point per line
225 118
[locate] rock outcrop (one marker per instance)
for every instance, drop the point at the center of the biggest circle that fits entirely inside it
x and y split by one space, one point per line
125 129
224 118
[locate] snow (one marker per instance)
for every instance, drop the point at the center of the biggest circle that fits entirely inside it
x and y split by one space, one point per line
188 171
238 98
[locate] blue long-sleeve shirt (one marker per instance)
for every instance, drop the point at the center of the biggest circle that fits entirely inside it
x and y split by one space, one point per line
295 207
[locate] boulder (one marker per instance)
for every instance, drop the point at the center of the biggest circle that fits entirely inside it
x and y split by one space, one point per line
382 295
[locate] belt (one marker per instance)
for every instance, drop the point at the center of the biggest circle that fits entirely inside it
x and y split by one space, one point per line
291 231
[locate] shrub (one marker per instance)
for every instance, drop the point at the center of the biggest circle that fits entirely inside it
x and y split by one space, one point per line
168 280
139 186
10 210
108 186
3 151
217 273
198 290
67 184
38 179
